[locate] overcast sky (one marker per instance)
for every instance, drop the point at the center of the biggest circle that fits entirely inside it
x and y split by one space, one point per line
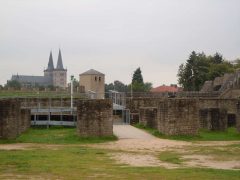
115 36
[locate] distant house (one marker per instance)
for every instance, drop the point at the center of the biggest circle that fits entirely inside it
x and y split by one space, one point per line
173 88
56 77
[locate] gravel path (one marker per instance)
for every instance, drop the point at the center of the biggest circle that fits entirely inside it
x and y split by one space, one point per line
130 132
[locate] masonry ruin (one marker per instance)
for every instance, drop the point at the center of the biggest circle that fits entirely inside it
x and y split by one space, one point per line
13 120
170 116
94 118
185 116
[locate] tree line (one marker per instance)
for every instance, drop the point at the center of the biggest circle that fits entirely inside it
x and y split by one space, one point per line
200 68
137 85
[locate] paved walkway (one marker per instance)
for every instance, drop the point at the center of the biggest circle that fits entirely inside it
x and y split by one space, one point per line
130 132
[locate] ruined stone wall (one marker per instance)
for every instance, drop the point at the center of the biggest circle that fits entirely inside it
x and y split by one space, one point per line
148 117
213 119
207 86
46 102
13 119
178 117
134 104
238 116
228 104
25 120
94 118
9 118
186 115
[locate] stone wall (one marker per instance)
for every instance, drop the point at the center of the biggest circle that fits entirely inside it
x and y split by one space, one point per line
46 102
238 116
94 118
25 120
213 119
148 117
9 118
186 115
13 119
178 117
207 86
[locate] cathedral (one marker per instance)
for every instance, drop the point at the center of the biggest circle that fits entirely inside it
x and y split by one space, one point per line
56 77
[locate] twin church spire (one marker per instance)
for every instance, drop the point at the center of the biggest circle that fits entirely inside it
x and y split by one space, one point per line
59 62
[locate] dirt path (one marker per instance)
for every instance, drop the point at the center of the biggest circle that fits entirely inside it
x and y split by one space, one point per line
130 132
138 148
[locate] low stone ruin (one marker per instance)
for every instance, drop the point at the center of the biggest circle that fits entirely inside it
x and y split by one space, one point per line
13 119
94 118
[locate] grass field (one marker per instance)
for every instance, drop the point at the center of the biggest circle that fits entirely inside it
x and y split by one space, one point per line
230 134
86 163
71 157
56 135
38 94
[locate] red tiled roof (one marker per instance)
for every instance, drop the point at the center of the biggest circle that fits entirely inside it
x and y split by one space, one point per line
165 89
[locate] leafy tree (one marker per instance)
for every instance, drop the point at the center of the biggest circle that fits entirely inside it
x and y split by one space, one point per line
138 84
147 86
217 70
200 68
217 58
137 76
109 87
117 86
193 74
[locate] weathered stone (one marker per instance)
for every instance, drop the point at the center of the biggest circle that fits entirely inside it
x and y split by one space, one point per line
238 116
94 118
148 117
25 120
213 119
9 118
178 117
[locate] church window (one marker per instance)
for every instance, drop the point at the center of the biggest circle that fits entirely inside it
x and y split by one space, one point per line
95 78
99 78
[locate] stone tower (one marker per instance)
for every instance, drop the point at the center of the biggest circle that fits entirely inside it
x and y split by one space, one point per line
48 73
59 73
93 81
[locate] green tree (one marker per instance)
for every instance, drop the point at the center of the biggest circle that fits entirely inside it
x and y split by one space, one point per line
200 68
137 76
119 86
193 74
217 70
138 84
147 86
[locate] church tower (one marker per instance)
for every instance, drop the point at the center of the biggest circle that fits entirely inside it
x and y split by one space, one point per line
60 74
48 73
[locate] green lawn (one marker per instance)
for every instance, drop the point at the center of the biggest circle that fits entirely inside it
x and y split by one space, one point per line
87 163
56 135
38 94
74 160
230 134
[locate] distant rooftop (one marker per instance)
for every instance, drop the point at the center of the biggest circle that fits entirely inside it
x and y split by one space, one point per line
31 79
164 88
92 72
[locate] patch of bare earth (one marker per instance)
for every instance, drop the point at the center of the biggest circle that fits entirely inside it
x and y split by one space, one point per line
140 152
27 146
141 160
207 161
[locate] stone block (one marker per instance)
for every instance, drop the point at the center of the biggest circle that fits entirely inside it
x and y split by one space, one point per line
94 118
